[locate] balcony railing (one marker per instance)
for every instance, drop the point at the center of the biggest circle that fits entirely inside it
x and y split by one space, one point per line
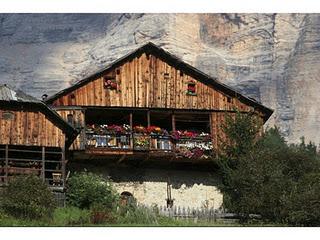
194 147
111 141
186 147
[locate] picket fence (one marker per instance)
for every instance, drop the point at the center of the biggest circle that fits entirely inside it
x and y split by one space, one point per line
194 214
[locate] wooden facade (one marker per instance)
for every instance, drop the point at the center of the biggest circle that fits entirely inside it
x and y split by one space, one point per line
29 128
149 82
33 139
144 82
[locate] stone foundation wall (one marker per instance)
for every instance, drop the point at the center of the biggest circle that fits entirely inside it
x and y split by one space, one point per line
194 189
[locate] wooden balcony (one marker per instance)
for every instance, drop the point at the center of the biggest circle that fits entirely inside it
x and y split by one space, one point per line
45 162
147 146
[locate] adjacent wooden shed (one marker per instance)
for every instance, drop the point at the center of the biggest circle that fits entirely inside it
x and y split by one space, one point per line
33 138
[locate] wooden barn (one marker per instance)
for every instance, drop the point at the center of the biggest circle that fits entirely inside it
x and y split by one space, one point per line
33 139
149 102
149 108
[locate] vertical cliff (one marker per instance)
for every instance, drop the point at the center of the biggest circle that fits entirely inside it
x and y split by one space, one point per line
273 58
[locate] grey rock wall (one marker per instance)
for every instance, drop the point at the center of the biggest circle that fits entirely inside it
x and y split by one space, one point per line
271 57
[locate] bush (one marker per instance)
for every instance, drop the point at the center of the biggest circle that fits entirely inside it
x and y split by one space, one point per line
87 189
28 197
71 216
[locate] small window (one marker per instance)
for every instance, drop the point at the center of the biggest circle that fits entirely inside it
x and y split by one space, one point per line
191 90
181 74
118 71
72 96
7 115
166 75
70 119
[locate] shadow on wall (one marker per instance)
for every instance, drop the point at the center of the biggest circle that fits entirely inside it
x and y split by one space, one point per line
175 177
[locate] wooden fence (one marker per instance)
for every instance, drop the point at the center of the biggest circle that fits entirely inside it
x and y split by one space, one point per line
194 214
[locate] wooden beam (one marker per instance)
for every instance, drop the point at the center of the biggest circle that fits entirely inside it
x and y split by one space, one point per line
63 167
121 159
148 118
43 158
7 162
173 121
131 127
211 132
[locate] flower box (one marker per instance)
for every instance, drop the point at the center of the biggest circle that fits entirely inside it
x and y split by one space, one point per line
110 83
141 141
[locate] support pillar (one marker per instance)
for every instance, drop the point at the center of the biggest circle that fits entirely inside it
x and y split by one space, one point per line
43 158
7 163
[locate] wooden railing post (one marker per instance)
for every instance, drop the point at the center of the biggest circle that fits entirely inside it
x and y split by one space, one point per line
211 133
131 127
173 122
7 162
43 158
148 119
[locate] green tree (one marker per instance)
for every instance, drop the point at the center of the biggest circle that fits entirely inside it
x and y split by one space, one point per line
264 175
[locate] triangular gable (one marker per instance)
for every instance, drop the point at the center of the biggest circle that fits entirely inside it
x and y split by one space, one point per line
178 64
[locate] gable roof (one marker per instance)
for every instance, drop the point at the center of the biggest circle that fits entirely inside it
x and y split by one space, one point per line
10 98
176 62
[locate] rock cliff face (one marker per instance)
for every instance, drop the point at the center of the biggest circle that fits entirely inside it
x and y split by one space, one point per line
273 58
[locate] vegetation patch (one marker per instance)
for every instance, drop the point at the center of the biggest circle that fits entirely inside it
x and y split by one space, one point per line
266 176
27 197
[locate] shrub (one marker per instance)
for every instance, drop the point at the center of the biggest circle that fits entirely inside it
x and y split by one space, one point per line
71 216
28 197
87 189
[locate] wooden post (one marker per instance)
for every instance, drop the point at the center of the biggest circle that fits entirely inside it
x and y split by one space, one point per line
63 166
131 127
7 162
173 121
148 118
43 175
211 133
148 125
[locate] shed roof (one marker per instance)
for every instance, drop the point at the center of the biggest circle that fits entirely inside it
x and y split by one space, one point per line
8 94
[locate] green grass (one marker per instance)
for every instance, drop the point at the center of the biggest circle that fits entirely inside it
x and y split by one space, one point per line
75 217
72 216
